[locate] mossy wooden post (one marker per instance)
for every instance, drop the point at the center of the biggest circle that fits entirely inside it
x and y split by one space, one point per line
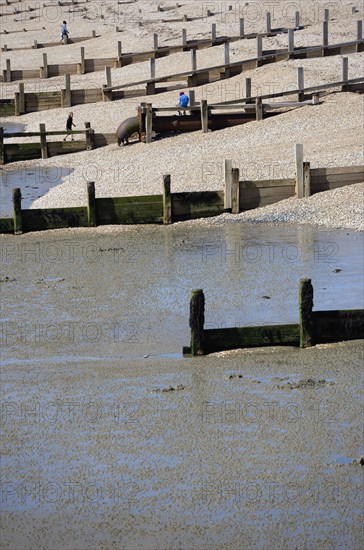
43 141
228 169
305 314
91 204
235 191
90 137
306 179
197 320
258 108
149 123
167 202
18 226
241 27
299 170
204 116
2 148
21 98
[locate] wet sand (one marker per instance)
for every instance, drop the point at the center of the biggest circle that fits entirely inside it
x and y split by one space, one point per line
111 440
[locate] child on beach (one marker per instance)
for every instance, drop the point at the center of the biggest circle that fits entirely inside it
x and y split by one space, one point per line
69 125
64 32
183 102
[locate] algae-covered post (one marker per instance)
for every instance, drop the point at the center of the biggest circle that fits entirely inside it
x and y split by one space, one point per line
305 314
197 320
91 204
18 227
167 204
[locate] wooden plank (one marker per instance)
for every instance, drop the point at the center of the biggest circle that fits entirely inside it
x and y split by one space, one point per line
54 218
188 206
254 198
266 183
130 210
6 225
246 337
339 325
337 171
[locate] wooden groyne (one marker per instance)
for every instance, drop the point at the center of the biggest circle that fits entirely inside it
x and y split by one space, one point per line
170 207
314 327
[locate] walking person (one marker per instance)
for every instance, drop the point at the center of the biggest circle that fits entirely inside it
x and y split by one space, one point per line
69 125
183 102
64 32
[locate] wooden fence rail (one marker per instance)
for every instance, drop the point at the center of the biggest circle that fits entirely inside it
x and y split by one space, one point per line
38 45
314 327
172 207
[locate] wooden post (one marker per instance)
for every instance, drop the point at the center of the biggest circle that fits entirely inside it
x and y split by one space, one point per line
18 226
45 66
155 42
108 77
248 88
91 204
235 191
325 33
93 34
149 123
315 99
345 73
120 51
116 29
197 321
185 18
306 179
68 95
21 98
359 30
16 104
2 148
300 83
90 137
43 141
194 60
5 48
8 71
259 46
290 42
184 37
204 116
326 14
192 98
241 27
258 108
305 313
228 167
167 202
297 19
35 44
152 67
227 53
82 64
299 170
213 32
268 22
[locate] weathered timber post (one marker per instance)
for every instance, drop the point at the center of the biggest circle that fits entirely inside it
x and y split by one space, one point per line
268 22
299 170
258 108
194 60
184 37
43 141
359 30
167 200
204 116
213 32
259 46
248 89
306 179
18 225
326 14
297 19
155 42
7 72
300 83
235 191
2 148
119 61
91 204
305 313
90 137
21 98
44 69
227 53
316 99
93 34
197 321
108 77
5 48
345 73
228 167
35 44
185 18
81 65
241 27
16 104
290 42
152 67
67 92
192 98
325 33
149 123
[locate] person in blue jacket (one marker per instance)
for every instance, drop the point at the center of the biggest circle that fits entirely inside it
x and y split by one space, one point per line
64 32
183 102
